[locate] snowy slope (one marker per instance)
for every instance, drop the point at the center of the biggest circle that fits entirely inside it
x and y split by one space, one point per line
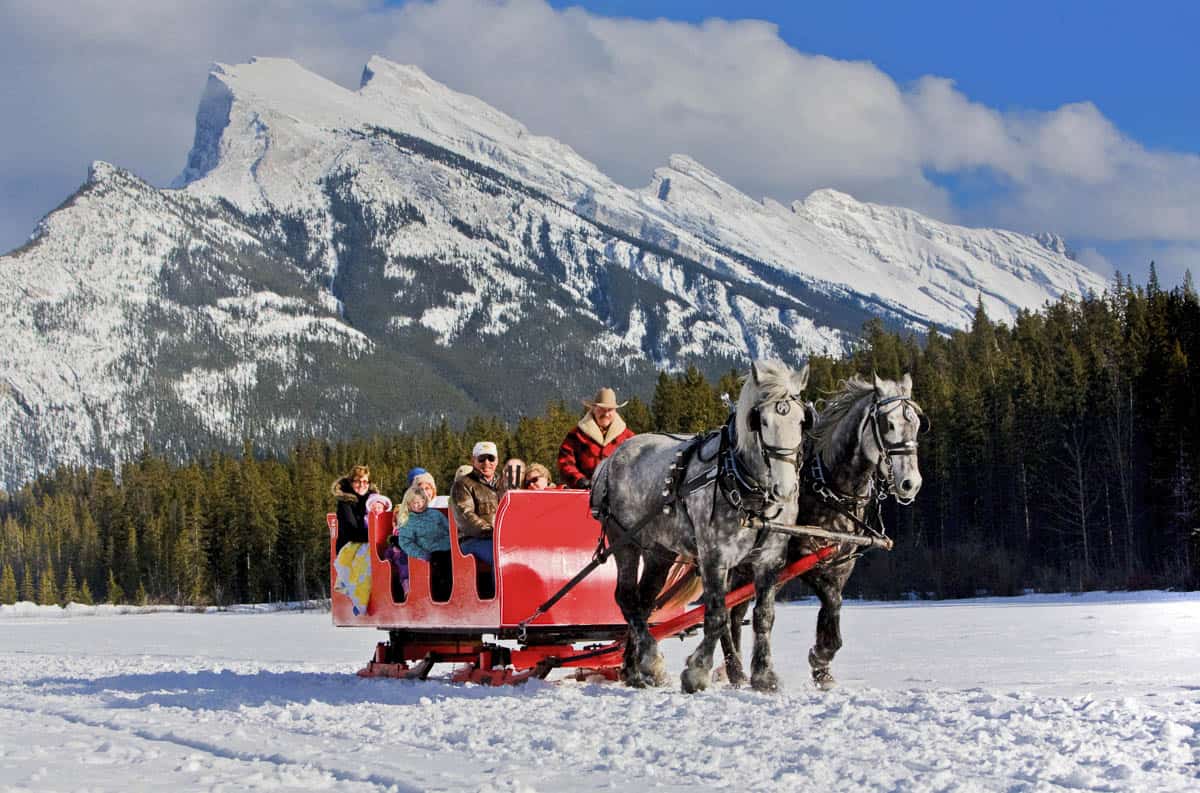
930 271
333 260
1043 694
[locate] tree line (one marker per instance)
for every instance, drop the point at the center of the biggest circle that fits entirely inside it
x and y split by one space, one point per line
1062 457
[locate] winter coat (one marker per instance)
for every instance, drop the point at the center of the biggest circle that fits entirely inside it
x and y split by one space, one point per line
585 446
351 512
475 502
425 532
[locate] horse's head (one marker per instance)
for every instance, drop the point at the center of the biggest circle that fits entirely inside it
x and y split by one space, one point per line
771 419
890 431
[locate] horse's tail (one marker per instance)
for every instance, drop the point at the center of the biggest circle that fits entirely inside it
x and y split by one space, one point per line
682 587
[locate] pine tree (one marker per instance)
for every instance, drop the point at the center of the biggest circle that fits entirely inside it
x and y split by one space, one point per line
191 564
47 589
8 585
140 598
85 594
115 594
27 589
69 594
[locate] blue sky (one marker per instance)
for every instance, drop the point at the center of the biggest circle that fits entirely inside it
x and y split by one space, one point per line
1138 62
1078 118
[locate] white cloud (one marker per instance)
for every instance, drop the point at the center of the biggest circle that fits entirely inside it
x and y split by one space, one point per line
92 80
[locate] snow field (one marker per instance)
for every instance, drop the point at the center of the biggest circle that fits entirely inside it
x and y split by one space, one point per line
1094 693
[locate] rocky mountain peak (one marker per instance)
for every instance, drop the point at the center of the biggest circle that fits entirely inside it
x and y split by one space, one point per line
341 261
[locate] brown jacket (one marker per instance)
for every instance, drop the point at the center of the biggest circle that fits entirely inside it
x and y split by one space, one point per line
474 502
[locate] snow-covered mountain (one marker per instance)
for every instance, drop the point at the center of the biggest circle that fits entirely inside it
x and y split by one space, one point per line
334 261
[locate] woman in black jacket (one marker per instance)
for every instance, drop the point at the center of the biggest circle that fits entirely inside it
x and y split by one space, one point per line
353 562
351 492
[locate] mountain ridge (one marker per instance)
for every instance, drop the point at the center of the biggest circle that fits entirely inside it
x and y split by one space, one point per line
334 261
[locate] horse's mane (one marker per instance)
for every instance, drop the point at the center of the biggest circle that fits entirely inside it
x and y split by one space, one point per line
832 428
774 385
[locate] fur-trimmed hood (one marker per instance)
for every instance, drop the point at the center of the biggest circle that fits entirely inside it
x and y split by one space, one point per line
588 426
342 491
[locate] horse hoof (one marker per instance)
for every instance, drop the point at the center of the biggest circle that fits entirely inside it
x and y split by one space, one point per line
766 681
657 673
733 675
722 674
694 680
632 678
823 680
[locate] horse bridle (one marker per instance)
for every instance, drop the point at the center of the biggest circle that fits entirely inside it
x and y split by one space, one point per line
888 450
793 455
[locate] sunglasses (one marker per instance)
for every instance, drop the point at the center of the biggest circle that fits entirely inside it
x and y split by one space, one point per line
533 480
486 458
360 481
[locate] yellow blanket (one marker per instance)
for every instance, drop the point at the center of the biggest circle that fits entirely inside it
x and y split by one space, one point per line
353 568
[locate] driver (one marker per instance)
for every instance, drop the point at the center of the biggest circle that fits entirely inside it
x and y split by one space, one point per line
595 437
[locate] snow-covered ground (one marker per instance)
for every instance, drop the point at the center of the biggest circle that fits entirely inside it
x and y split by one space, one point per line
1099 692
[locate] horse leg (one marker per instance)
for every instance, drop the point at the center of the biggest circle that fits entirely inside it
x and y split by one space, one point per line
731 644
716 623
630 605
762 672
829 632
656 567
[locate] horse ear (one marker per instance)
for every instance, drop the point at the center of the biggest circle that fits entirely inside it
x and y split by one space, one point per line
754 373
922 422
810 416
878 382
906 384
800 379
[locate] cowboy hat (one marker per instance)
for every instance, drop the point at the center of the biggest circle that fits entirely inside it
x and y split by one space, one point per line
605 398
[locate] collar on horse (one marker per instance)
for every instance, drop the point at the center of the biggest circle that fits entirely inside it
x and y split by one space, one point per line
738 486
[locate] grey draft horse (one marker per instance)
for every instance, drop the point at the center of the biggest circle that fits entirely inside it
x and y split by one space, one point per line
672 494
863 448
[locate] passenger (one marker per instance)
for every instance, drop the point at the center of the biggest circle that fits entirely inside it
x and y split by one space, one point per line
537 477
595 437
378 503
352 564
514 473
426 482
423 531
474 499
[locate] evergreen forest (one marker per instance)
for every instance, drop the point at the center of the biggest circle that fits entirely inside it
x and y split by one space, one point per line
1062 457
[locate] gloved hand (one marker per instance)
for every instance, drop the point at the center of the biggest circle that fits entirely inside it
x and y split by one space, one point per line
584 484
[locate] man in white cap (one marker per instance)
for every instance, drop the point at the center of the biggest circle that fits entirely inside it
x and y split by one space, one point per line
474 499
595 437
